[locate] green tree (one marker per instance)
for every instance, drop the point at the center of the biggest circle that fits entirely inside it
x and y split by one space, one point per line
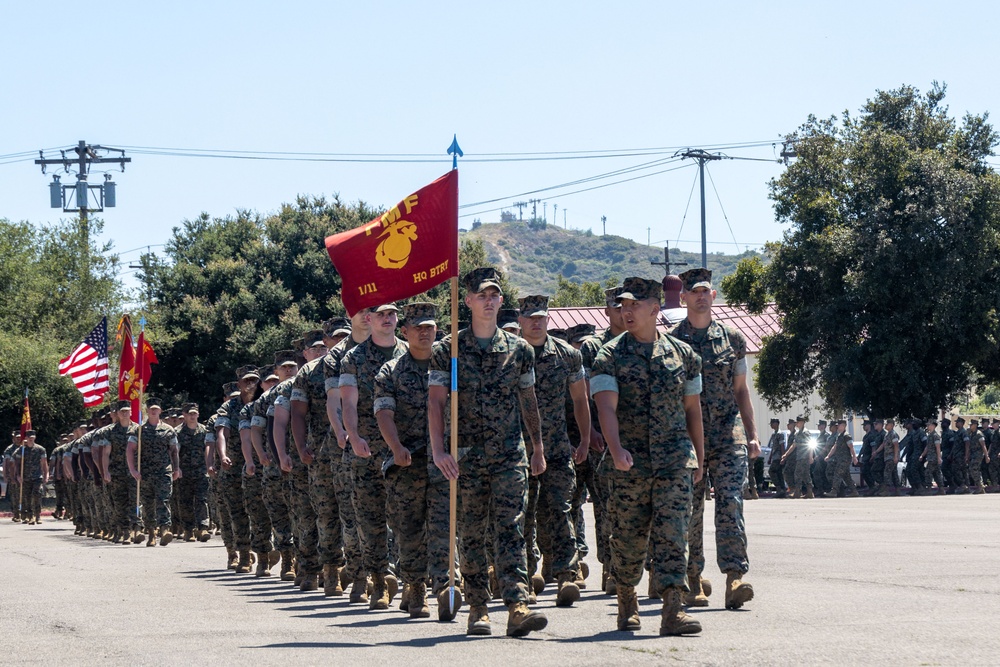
569 293
886 281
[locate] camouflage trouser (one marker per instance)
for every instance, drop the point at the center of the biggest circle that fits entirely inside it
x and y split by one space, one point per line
932 472
726 462
370 508
303 519
651 514
330 535
75 508
438 527
551 522
32 504
230 486
343 487
407 511
751 476
122 497
192 500
976 467
90 500
223 519
838 473
584 480
994 466
788 472
156 489
276 502
803 474
260 522
889 471
959 470
493 497
599 492
878 470
60 496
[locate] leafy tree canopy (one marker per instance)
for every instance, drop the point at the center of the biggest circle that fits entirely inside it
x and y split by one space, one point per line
886 279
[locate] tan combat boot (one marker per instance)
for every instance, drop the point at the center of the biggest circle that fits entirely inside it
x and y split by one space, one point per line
166 537
521 620
263 565
243 566
188 536
537 582
380 594
287 566
404 598
673 620
310 582
331 581
738 592
479 621
232 559
417 601
391 586
651 590
137 536
628 609
359 590
203 534
582 572
446 607
151 540
696 597
568 591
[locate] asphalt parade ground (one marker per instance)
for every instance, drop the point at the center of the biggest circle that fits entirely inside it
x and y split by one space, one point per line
899 581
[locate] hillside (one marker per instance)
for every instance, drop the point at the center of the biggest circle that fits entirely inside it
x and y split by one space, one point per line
532 259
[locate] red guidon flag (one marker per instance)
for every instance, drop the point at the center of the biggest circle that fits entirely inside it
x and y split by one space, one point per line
407 250
25 417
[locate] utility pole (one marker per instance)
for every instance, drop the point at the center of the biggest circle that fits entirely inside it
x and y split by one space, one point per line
555 214
534 208
604 225
564 218
666 263
702 157
545 210
519 205
647 236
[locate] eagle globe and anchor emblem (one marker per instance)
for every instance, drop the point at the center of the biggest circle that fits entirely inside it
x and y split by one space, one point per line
394 250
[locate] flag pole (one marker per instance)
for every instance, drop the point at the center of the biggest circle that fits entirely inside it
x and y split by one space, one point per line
138 448
455 151
20 487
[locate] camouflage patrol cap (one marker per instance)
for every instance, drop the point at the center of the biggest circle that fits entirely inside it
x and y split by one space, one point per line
230 389
535 304
800 418
479 279
695 278
610 297
775 420
29 433
932 420
580 332
640 289
960 420
336 326
312 338
973 422
123 405
822 422
507 319
945 422
153 402
248 371
188 408
420 312
557 333
267 373
298 344
384 307
282 357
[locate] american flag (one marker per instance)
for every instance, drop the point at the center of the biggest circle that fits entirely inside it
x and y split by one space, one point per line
88 365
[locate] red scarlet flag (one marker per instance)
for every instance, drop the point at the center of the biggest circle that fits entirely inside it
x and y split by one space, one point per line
409 249
144 357
25 417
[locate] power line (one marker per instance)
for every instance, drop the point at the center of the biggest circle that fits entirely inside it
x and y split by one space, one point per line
719 199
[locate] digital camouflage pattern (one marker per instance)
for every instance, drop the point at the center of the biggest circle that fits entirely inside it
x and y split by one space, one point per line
838 469
493 464
650 504
358 368
723 353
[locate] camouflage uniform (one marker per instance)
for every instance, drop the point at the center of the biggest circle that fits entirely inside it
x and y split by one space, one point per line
777 446
155 468
222 517
275 489
803 470
493 465
557 365
253 492
891 443
358 369
838 469
343 486
959 466
230 482
401 387
976 443
650 504
121 490
932 470
309 387
723 353
31 478
192 487
994 465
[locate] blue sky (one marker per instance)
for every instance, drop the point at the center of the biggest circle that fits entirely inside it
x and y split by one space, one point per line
514 77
